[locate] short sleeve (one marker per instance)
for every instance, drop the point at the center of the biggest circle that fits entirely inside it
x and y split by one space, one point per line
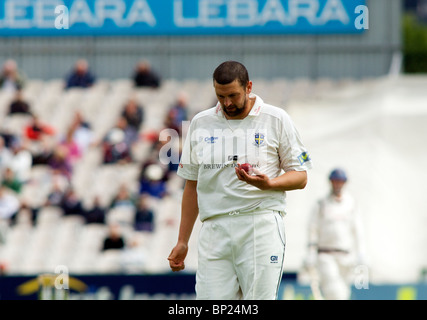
188 167
292 152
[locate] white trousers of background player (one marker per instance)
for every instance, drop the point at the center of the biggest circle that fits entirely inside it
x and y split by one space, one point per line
335 274
241 257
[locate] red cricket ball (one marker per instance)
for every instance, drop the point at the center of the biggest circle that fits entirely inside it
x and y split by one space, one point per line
247 167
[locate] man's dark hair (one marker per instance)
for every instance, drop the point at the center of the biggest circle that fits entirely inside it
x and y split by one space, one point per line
229 71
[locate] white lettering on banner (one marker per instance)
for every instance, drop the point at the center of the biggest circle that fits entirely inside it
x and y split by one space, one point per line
16 13
247 13
80 13
241 13
141 12
273 11
186 14
43 14
114 10
110 9
209 12
179 19
334 10
304 8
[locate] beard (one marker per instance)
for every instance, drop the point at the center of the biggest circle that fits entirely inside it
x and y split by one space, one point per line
235 110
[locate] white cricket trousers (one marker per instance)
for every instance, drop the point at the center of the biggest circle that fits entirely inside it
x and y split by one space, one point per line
241 256
335 271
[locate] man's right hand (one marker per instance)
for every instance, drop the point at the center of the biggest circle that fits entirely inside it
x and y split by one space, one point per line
177 256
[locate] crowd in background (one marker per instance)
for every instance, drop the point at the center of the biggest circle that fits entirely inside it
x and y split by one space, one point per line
41 144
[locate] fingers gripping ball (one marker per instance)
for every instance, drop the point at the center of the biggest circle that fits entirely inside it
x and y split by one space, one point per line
247 167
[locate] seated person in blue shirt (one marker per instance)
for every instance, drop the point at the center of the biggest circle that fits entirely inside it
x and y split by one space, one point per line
80 76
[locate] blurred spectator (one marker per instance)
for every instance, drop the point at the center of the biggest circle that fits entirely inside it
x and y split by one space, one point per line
57 192
134 115
5 156
144 76
153 177
80 76
82 132
11 78
55 196
144 217
27 211
71 204
35 130
8 137
36 140
178 113
59 163
97 213
150 184
11 182
19 105
117 143
9 203
71 147
123 198
21 161
41 153
9 207
114 239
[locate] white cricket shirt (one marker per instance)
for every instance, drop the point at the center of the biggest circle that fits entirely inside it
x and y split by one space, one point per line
336 224
266 138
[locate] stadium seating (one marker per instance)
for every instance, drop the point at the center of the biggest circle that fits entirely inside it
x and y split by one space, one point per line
55 239
324 110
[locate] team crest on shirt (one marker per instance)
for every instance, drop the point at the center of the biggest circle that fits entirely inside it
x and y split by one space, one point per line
259 139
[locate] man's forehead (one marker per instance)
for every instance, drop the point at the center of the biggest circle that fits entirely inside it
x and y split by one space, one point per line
232 87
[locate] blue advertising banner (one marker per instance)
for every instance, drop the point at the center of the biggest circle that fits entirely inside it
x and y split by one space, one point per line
174 287
102 287
181 17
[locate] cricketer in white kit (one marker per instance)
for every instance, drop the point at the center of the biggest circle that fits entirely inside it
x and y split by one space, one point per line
336 243
242 240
